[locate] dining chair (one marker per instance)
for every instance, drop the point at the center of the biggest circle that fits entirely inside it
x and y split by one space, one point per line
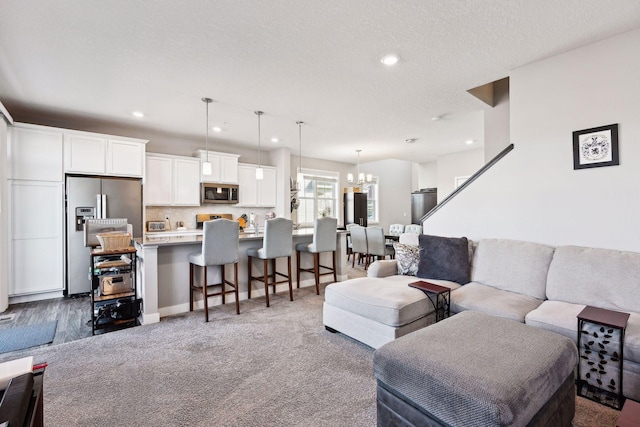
219 247
324 240
277 243
376 246
359 242
349 243
413 228
396 229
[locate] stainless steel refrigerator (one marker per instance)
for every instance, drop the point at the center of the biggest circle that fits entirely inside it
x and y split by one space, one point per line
422 202
89 198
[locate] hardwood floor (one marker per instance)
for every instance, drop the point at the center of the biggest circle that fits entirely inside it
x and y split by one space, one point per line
73 316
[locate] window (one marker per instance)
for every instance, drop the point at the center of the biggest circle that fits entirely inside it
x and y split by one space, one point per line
371 189
318 196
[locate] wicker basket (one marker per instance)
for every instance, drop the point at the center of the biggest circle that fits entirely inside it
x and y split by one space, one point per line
114 241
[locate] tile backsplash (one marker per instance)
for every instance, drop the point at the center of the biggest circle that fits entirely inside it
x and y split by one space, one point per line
188 214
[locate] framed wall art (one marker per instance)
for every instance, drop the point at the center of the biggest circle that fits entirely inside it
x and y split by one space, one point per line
595 147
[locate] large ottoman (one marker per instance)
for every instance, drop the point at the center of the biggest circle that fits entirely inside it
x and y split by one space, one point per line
376 311
475 369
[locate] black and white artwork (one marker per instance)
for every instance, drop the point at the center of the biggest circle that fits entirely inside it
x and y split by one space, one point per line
595 147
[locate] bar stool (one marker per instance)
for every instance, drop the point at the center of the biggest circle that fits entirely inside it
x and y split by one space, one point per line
277 243
219 247
324 240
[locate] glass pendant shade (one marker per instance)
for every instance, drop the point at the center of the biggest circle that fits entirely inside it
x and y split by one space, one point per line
350 177
206 165
206 168
369 177
259 173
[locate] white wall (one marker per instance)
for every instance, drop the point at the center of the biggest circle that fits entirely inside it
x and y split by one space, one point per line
394 190
534 193
451 166
427 176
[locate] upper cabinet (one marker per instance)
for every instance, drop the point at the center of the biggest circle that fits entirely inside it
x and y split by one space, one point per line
224 167
172 181
35 153
253 192
103 154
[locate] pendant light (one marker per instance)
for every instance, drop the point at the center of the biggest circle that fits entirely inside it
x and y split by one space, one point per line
259 171
361 175
300 176
206 165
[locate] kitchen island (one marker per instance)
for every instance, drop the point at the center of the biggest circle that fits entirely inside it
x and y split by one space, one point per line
163 270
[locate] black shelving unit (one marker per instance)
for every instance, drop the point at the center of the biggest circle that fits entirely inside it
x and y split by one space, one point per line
111 311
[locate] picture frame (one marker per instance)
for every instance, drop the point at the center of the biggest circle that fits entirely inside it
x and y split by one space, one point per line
596 147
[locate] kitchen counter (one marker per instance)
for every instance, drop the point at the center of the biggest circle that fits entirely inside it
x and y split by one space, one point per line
167 238
164 269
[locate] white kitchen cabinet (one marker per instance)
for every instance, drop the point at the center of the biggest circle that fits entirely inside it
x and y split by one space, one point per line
36 257
35 153
172 181
99 154
224 167
253 192
186 182
85 154
125 158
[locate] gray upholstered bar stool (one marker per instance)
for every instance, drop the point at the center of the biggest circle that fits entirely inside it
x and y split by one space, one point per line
324 240
277 243
219 247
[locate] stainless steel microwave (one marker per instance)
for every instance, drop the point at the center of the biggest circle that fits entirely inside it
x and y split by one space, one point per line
219 193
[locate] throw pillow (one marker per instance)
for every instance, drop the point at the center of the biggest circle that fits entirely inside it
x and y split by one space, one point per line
407 258
444 258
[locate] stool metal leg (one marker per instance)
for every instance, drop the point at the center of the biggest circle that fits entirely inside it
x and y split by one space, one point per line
222 283
335 277
316 271
298 269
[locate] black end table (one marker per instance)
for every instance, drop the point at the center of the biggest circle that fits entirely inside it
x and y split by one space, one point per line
600 344
442 294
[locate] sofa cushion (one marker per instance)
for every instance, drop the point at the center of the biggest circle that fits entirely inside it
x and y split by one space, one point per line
486 299
389 301
591 276
444 258
556 316
512 265
407 257
562 318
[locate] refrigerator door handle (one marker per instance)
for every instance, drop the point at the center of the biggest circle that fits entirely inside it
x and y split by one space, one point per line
104 206
98 206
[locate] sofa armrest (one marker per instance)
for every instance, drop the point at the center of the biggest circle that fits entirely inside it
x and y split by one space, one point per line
383 268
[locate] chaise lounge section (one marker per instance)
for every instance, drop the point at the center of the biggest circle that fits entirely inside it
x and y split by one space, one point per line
526 282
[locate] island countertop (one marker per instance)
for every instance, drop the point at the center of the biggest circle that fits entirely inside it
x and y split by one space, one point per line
188 239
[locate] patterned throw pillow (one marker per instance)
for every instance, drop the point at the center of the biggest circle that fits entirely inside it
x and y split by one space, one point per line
407 257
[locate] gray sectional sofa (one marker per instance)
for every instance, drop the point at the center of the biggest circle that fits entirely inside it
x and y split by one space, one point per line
531 283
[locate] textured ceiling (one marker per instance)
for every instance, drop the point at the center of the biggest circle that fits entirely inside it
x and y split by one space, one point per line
89 61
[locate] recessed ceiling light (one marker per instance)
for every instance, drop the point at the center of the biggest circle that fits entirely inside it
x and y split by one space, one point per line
138 114
436 118
410 140
216 129
469 141
274 139
389 59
